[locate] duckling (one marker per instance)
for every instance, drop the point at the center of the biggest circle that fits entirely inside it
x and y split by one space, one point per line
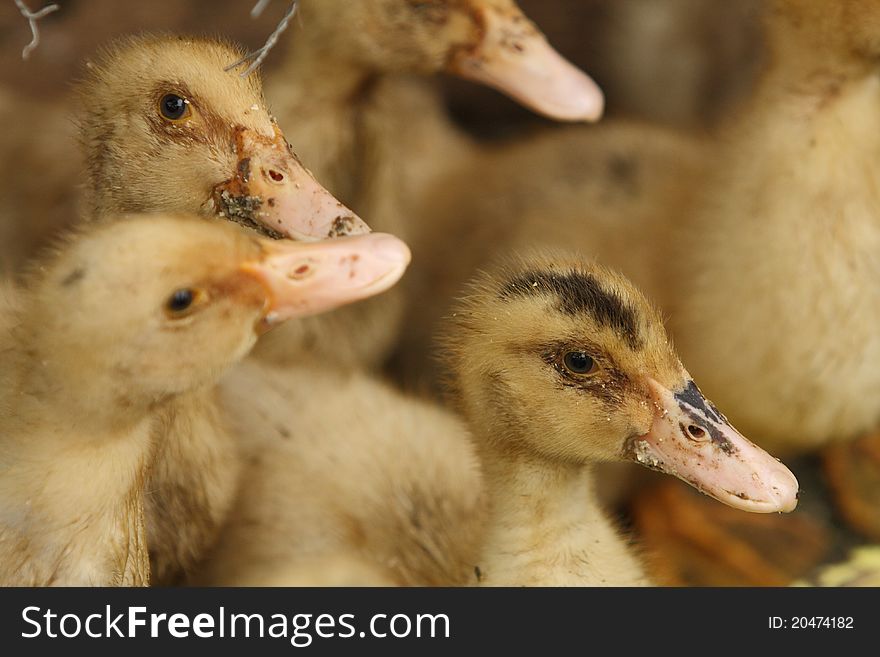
163 127
559 364
194 480
108 333
678 62
353 97
388 492
774 302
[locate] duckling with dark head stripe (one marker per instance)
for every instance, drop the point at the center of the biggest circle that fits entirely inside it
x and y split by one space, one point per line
558 364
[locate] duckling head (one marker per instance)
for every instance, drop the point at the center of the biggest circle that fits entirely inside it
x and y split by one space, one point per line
568 360
162 304
489 41
167 128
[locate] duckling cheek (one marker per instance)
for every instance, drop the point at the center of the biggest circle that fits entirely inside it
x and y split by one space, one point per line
515 58
274 193
689 439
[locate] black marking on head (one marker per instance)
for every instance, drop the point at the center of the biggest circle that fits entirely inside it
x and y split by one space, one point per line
73 277
692 396
579 293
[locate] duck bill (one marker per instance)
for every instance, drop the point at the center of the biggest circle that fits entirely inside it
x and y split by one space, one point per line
691 440
303 279
273 193
514 57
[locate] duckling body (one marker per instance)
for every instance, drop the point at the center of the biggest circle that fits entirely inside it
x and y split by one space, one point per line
783 248
73 500
392 484
559 364
192 483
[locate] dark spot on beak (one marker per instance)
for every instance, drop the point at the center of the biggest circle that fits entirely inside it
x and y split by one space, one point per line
244 169
243 210
342 226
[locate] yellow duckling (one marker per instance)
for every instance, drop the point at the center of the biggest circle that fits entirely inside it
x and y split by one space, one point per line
558 365
122 326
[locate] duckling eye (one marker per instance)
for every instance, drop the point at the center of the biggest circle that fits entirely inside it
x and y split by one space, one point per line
578 362
173 107
181 302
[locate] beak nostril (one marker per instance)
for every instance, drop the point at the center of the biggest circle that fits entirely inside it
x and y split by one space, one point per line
695 432
303 271
276 175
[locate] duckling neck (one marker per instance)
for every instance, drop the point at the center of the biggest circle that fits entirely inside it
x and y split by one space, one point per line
315 74
318 100
546 527
193 482
71 481
72 505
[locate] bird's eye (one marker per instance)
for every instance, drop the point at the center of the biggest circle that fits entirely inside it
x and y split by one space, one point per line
578 362
181 302
174 108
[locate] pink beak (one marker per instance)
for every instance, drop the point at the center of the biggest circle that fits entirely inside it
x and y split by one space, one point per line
691 440
309 278
513 56
273 192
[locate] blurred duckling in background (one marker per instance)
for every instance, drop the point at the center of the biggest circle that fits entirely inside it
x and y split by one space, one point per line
684 63
559 364
345 480
774 281
351 93
121 325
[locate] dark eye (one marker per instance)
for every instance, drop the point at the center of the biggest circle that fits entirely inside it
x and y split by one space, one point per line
180 302
173 107
578 362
